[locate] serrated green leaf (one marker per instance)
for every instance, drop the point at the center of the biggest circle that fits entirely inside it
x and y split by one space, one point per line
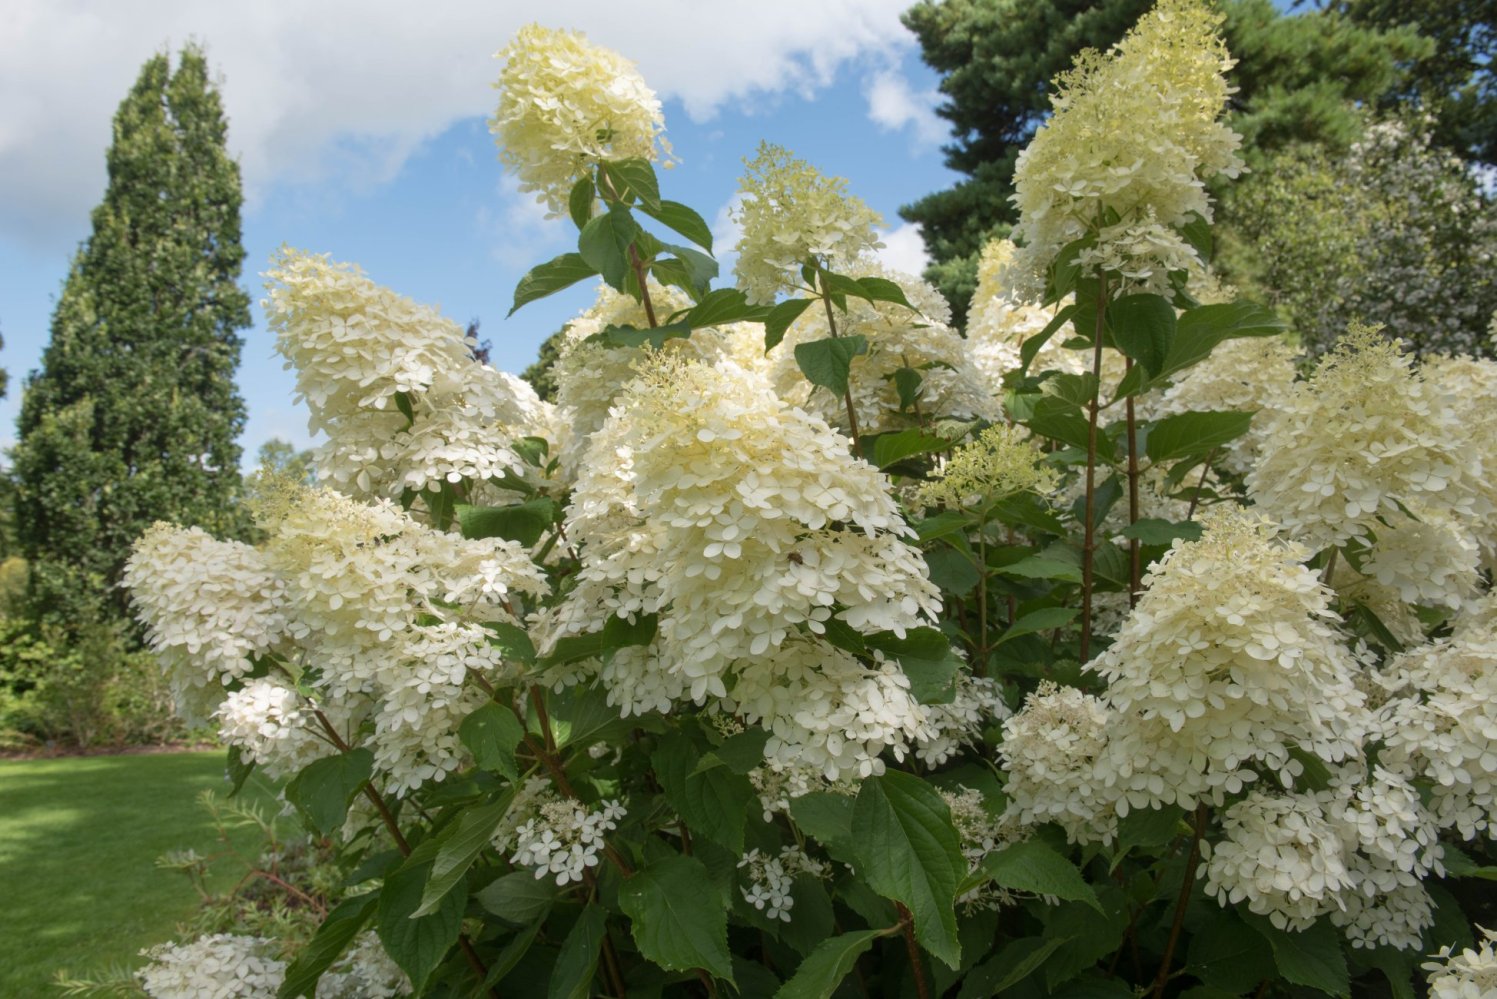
888 449
743 752
826 818
461 843
1033 866
700 267
1062 421
675 923
417 944
715 802
1044 619
1194 433
678 217
617 633
1014 963
580 201
1030 348
551 277
824 968
828 362
634 177
491 733
237 770
1199 330
522 522
604 244
1143 327
342 923
511 640
519 898
1156 531
1147 828
577 961
629 336
723 306
1226 955
324 788
1312 958
1039 567
780 319
877 289
927 658
1077 389
908 851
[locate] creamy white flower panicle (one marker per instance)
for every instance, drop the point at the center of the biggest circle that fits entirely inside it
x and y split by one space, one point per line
1469 974
1472 385
978 701
1050 750
565 838
209 607
742 523
1001 461
981 833
1362 436
771 879
1229 661
566 104
220 966
1432 560
1441 725
790 212
1134 135
273 726
365 971
923 340
778 784
999 321
359 349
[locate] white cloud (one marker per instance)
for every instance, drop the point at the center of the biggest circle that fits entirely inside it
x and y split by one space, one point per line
904 249
893 105
345 90
725 235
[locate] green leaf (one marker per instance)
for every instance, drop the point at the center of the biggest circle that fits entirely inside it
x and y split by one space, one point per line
1226 955
889 449
325 788
511 640
604 244
1155 531
491 734
417 944
1078 390
826 818
461 843
1312 958
927 658
1014 963
700 267
941 525
1199 330
1148 828
634 177
828 362
908 851
618 633
877 289
676 923
676 216
715 802
1030 348
1039 567
580 201
742 752
519 898
577 961
1194 433
1044 619
1060 420
723 306
628 336
1397 966
1197 233
907 384
1064 272
551 277
824 968
1143 327
340 926
523 522
1033 866
780 319
513 951
238 771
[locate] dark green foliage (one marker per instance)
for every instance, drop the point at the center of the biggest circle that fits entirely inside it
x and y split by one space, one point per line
133 416
1296 77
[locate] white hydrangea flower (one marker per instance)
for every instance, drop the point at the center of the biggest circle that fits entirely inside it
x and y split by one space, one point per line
565 838
981 833
1441 724
209 608
788 213
1470 974
365 971
1050 750
923 340
273 726
1000 320
1134 135
1362 436
1001 461
1229 661
771 879
958 722
1431 560
780 782
566 104
220 966
1472 384
1281 855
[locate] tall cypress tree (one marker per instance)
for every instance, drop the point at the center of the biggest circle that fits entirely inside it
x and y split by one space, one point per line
134 415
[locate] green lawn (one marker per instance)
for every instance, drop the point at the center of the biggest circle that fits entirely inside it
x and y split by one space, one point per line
79 838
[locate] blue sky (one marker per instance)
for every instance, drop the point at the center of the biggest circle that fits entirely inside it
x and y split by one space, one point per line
404 180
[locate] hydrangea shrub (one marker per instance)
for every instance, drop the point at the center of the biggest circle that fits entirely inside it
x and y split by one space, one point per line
806 648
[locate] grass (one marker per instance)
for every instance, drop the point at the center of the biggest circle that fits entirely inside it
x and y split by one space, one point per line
79 838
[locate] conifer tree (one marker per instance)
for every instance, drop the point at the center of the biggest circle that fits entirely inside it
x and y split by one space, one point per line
133 416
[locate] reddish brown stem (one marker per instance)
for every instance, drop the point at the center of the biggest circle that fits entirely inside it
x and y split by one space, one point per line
831 322
1135 554
1089 545
907 927
1186 886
